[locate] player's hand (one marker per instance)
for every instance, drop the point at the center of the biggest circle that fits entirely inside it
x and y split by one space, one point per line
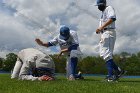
99 30
59 55
46 78
39 41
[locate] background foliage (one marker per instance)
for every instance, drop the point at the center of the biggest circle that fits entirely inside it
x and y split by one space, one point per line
88 65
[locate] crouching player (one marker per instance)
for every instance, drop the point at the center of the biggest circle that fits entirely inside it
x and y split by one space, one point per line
68 42
32 64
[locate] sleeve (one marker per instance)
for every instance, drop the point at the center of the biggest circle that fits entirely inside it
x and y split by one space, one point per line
73 47
75 42
53 42
29 77
16 69
75 37
25 72
111 13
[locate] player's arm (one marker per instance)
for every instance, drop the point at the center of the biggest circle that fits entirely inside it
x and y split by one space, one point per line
75 42
24 72
72 47
105 24
39 42
111 18
62 51
48 44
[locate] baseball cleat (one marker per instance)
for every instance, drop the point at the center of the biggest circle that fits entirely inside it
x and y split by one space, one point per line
80 75
111 79
120 74
71 78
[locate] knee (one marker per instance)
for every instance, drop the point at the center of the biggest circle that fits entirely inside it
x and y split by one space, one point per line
106 57
73 54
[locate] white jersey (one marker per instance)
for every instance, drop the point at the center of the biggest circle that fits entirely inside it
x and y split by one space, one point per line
108 37
29 54
34 55
73 39
74 53
27 60
108 13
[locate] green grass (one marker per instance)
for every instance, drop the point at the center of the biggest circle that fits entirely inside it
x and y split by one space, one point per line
61 85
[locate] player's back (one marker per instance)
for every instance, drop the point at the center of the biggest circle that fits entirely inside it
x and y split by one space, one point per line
29 54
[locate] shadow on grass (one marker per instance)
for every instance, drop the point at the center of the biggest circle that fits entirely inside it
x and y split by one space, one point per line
136 81
90 80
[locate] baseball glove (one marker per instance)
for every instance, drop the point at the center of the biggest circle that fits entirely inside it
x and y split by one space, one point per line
46 78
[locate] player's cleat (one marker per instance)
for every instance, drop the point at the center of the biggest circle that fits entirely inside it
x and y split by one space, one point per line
120 74
111 79
106 77
80 75
71 78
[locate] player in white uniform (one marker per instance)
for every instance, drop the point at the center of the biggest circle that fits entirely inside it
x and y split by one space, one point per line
68 42
33 64
108 37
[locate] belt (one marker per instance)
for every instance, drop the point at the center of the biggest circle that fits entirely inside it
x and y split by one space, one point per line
108 28
44 69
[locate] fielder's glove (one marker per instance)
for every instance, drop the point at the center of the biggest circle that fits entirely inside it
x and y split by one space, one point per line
46 78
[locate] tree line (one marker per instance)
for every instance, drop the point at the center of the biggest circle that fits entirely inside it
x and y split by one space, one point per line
87 65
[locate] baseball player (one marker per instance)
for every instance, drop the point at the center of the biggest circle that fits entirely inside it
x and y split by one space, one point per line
32 64
108 36
68 42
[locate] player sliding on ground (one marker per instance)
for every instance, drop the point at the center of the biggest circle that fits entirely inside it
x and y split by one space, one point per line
68 42
33 64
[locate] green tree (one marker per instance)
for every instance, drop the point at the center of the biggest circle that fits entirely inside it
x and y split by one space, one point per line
60 64
138 54
87 65
9 62
1 62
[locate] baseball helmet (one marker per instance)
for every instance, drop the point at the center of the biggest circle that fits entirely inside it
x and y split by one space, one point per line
42 71
64 32
100 2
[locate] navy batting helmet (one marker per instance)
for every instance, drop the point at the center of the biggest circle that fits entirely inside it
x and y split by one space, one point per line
65 32
100 2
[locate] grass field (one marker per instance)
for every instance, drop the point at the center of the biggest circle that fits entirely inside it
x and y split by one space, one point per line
61 85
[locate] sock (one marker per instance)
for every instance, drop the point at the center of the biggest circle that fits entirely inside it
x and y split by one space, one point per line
109 65
115 67
74 65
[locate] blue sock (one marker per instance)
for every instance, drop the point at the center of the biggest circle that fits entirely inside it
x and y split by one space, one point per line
74 65
109 65
115 67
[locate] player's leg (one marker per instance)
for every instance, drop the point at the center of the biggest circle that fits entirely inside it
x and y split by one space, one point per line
74 65
74 61
112 40
25 71
109 66
106 51
16 70
119 72
68 67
